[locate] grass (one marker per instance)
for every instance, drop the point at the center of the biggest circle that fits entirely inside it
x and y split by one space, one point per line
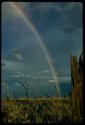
38 110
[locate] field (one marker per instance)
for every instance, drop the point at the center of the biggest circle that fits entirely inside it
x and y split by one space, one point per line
37 110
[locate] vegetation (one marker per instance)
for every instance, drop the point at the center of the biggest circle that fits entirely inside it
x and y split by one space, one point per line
37 110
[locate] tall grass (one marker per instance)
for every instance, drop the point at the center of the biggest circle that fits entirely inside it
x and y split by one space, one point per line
43 110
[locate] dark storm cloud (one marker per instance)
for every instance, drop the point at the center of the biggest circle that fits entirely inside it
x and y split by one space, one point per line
59 25
64 16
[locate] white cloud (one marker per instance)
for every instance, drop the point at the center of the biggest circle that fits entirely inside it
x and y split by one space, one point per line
18 56
51 81
20 75
18 84
25 75
61 79
12 66
3 83
40 77
45 71
43 77
65 79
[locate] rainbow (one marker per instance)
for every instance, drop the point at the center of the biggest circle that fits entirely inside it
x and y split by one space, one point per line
40 42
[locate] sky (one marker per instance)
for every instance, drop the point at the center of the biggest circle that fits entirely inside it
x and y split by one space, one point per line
59 25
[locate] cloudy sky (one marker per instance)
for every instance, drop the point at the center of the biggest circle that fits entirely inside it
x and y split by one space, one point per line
58 25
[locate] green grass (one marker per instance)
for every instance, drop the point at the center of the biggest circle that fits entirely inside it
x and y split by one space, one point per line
38 110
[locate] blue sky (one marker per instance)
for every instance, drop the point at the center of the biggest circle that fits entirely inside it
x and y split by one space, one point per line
58 24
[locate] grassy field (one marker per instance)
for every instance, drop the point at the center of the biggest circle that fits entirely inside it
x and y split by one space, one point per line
38 110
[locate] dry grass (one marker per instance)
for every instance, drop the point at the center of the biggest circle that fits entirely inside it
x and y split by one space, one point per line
39 110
